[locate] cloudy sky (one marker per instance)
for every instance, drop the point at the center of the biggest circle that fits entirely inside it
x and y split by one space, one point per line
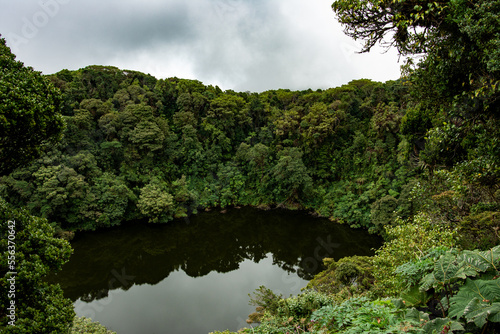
244 45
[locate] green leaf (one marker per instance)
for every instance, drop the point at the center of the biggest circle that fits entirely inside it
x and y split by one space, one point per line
415 297
399 303
446 270
416 316
481 261
436 325
474 296
480 312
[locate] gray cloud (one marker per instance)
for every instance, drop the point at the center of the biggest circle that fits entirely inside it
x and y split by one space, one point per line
237 44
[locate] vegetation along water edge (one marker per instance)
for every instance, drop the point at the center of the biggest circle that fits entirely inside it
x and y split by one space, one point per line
415 160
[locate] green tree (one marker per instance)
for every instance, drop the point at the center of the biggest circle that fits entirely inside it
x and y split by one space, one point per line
59 193
319 123
257 157
410 22
106 202
459 41
39 306
155 202
290 176
30 108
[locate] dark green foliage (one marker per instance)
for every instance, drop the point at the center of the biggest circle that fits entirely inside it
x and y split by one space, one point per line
347 277
383 211
130 137
480 230
425 148
265 300
445 131
463 285
30 109
39 306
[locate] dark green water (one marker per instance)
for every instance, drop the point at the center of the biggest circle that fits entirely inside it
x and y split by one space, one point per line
194 275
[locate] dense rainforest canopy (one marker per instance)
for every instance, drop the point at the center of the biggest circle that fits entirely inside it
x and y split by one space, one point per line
416 160
138 147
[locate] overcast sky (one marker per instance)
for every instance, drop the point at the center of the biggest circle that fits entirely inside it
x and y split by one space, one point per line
244 45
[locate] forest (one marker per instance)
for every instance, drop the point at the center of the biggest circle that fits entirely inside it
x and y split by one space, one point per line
136 147
416 160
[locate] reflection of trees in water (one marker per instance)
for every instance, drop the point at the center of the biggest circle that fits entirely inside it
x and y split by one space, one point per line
94 294
208 242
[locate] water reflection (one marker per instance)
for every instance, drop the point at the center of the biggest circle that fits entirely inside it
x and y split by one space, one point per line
180 304
207 242
168 266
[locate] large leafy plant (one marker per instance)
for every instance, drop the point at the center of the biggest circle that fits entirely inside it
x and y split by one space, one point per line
466 285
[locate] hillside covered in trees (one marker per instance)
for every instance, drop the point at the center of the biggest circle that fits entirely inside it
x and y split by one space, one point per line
137 147
416 160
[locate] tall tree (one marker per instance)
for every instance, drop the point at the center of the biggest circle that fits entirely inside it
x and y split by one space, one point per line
453 65
30 109
29 120
458 39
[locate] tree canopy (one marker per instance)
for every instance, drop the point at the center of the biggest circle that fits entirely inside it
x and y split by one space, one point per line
416 159
30 109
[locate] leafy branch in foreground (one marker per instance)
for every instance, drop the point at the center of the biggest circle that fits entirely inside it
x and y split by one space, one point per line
465 285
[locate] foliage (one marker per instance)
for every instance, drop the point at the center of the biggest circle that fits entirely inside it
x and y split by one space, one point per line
416 160
354 315
265 300
290 175
155 202
463 284
39 306
412 24
383 211
30 109
448 137
130 137
347 277
360 315
407 242
477 301
281 314
82 325
480 230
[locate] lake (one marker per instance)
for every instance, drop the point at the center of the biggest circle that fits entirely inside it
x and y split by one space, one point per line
194 275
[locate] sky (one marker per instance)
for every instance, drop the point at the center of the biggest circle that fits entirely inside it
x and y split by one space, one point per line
242 45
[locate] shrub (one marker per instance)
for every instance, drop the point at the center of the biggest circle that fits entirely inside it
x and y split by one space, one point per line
479 230
32 253
406 242
383 211
347 277
82 325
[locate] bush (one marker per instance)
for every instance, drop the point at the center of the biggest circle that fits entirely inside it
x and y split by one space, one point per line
350 276
383 211
360 315
82 325
406 242
479 231
39 307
